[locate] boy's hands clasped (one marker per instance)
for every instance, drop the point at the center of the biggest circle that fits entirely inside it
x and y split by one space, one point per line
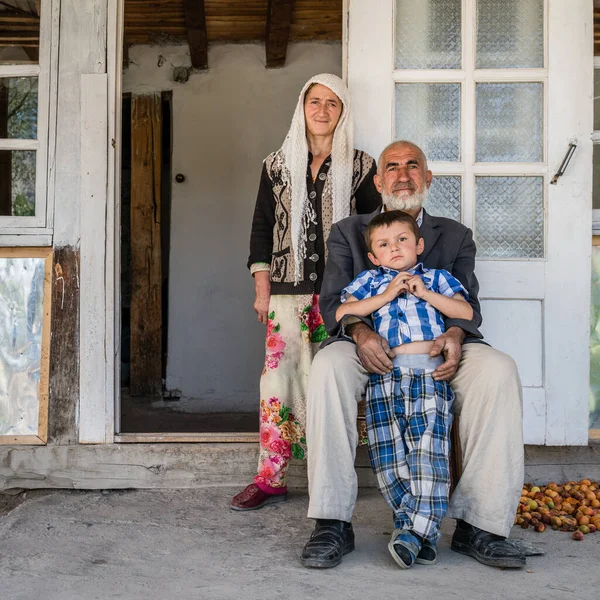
405 282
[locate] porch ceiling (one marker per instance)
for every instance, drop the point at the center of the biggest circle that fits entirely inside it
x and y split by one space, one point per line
596 27
199 22
229 20
163 21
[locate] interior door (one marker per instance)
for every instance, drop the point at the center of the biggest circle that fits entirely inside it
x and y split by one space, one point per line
494 91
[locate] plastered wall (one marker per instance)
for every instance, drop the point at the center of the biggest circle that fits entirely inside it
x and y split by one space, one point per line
225 121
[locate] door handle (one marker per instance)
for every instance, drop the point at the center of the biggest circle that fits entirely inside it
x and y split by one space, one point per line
564 164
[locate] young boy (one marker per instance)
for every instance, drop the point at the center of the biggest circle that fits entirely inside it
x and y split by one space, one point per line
408 412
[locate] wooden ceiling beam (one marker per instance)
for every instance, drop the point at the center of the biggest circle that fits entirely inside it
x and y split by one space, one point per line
279 21
16 10
195 23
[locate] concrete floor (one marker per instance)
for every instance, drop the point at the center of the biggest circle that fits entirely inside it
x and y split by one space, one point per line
183 544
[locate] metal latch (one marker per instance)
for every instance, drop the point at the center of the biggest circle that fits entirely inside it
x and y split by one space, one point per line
564 164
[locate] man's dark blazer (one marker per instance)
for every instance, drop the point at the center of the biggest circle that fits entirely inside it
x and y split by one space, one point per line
448 245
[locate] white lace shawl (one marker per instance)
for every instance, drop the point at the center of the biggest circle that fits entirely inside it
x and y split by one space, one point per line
295 155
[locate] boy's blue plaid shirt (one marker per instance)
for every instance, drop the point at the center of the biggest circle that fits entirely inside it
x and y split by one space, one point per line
407 318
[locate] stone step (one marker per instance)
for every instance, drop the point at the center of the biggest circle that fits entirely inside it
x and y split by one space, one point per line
185 465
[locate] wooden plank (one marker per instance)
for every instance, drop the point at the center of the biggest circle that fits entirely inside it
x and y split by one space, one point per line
171 438
82 50
181 465
114 67
21 440
93 177
44 384
15 144
146 274
24 70
456 462
154 466
11 239
28 252
5 157
279 20
195 22
64 347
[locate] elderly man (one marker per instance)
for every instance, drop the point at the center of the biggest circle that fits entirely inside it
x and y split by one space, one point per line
485 382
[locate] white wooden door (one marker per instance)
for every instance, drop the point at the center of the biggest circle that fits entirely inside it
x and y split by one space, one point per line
494 91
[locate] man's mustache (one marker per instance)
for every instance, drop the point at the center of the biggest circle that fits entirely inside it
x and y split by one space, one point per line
403 186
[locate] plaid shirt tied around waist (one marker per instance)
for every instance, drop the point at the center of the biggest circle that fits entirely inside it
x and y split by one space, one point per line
407 318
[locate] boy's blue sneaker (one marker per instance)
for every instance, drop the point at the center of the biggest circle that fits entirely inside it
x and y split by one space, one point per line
428 554
404 547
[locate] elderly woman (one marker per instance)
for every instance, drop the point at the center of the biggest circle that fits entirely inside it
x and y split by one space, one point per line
315 179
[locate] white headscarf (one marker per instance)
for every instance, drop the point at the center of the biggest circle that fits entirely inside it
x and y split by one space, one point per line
295 154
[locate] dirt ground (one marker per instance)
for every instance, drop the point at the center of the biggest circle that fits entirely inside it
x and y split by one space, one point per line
63 545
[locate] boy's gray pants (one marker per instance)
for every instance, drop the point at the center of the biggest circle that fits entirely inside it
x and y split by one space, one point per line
490 405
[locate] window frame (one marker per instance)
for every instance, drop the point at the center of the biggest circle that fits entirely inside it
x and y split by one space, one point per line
37 230
468 76
596 142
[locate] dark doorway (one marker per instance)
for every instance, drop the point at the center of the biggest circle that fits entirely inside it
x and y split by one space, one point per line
157 411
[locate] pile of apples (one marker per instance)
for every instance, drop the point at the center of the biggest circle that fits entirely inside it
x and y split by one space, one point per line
573 506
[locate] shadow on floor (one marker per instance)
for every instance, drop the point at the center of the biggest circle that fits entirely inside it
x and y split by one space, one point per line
141 415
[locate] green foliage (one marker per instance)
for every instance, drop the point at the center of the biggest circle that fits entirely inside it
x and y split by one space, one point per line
21 123
595 341
22 207
22 107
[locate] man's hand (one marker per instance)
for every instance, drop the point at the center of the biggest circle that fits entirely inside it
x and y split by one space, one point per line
450 345
373 351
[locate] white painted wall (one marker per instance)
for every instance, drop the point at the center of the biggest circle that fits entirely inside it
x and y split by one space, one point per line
225 121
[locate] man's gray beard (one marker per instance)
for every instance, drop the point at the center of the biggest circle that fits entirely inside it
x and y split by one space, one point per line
411 202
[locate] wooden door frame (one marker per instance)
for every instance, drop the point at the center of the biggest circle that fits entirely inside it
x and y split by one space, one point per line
101 411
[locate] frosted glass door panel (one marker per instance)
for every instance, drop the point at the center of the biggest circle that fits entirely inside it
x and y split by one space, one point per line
509 120
509 219
428 114
443 197
510 34
428 34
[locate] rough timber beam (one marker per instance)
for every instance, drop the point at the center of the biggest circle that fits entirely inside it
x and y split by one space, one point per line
195 23
279 20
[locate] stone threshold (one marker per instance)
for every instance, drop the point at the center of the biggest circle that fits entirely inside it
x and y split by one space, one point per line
209 464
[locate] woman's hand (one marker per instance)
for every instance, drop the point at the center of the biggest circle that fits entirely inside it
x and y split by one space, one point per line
262 288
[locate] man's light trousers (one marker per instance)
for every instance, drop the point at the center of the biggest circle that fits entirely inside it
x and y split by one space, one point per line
490 405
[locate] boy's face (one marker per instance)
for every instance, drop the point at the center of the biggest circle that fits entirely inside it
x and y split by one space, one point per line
395 247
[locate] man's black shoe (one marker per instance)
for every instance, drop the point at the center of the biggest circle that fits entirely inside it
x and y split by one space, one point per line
329 541
487 548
